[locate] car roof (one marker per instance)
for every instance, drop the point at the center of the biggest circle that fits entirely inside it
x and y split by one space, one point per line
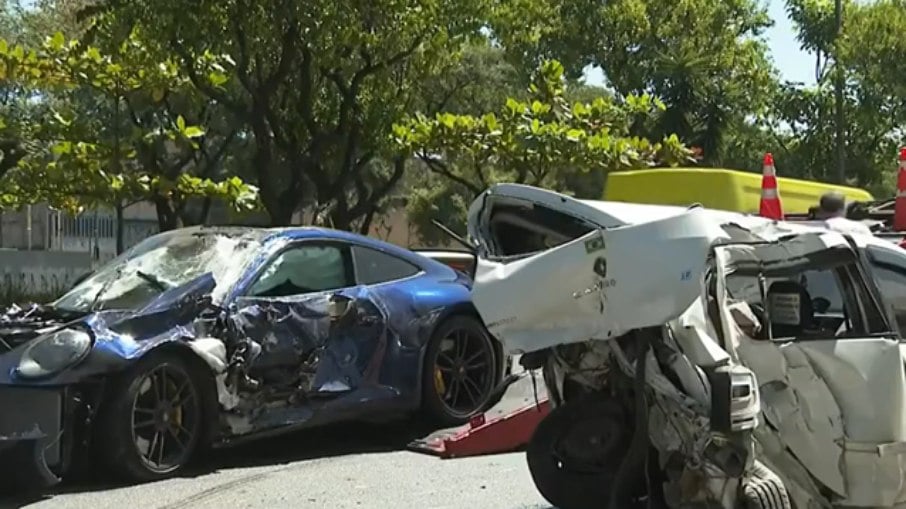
611 214
268 235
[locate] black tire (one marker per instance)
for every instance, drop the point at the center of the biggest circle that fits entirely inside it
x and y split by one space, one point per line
765 490
601 432
453 402
128 398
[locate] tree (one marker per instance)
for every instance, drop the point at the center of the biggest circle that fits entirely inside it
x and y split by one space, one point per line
318 86
804 120
541 141
706 60
79 157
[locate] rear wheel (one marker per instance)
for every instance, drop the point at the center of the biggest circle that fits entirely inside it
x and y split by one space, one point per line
153 421
460 371
575 452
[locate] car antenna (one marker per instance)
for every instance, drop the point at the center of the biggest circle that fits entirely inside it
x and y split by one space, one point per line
454 235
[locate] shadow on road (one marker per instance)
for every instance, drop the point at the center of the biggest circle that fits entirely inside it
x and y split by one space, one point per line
330 441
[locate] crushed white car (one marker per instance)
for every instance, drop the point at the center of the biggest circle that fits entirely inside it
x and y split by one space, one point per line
694 358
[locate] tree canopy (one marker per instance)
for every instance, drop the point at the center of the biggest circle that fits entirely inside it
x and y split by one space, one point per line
327 111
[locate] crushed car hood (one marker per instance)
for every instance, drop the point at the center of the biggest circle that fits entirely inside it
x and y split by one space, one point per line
164 318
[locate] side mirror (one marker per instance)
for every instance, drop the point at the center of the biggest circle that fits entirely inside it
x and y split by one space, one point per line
820 304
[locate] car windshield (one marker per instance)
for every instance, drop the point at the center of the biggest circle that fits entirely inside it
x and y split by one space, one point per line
164 261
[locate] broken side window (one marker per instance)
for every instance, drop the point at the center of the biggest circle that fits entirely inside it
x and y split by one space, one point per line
529 228
305 268
810 303
890 275
373 266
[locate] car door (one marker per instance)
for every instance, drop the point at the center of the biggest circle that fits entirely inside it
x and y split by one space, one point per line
287 309
832 392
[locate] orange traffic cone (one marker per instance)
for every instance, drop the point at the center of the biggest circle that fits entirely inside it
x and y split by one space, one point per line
770 196
899 207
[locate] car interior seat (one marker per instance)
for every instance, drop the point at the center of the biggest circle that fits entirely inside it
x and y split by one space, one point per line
789 308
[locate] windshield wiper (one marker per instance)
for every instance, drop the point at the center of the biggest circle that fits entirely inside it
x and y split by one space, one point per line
153 280
105 287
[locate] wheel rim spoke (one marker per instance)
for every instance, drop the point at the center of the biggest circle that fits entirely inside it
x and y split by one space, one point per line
452 391
448 361
461 345
161 448
144 424
469 385
476 361
158 386
174 432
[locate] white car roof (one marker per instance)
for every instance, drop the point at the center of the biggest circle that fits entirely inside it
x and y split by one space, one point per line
611 214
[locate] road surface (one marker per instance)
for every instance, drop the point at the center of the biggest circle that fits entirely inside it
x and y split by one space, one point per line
351 466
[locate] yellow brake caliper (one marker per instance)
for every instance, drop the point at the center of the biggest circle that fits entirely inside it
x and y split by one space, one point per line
439 384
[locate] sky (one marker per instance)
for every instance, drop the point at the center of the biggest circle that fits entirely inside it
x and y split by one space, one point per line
793 63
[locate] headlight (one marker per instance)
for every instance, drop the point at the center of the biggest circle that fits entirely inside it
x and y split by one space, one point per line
53 353
735 400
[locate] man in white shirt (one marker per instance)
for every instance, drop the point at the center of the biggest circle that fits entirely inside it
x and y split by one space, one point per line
832 210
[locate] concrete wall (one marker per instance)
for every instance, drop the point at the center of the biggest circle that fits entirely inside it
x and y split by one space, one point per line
40 272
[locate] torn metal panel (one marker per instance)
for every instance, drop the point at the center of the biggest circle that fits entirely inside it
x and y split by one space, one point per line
356 346
601 285
299 334
867 381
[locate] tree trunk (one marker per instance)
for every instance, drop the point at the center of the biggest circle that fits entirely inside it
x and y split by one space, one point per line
167 219
120 223
365 226
205 211
280 215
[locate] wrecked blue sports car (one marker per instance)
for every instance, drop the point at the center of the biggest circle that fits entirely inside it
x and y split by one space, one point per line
206 336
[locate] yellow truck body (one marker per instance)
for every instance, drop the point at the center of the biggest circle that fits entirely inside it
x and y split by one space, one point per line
718 188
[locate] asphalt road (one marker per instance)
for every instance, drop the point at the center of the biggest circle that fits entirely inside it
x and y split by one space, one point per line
350 466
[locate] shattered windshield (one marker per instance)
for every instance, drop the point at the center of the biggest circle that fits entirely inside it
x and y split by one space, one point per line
162 262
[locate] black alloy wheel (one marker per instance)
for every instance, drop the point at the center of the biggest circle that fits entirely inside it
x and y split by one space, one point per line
461 370
155 418
165 418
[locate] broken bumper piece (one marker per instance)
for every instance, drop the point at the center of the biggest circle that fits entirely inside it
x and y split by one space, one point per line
30 432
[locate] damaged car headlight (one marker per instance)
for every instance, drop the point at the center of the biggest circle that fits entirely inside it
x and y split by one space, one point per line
735 399
50 354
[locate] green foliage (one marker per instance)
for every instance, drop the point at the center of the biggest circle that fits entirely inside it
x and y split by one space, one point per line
542 141
323 105
317 85
706 60
869 56
81 153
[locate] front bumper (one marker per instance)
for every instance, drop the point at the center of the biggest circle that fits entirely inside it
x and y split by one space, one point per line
31 428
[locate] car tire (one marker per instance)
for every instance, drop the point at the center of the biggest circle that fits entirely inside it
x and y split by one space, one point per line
765 490
175 433
587 482
478 383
